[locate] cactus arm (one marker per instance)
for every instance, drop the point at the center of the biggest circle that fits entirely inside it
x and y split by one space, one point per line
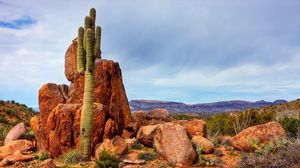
80 51
98 42
89 51
87 24
93 18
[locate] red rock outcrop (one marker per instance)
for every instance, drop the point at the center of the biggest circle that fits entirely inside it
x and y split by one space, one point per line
264 133
57 127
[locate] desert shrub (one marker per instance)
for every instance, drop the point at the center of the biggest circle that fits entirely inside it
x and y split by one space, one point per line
291 126
136 146
280 154
71 157
220 123
4 129
203 161
242 121
106 160
44 155
9 112
147 156
29 135
3 119
184 117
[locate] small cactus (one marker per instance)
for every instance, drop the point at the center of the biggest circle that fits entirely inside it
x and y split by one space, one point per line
89 40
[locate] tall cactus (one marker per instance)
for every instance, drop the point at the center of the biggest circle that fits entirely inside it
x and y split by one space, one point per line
89 41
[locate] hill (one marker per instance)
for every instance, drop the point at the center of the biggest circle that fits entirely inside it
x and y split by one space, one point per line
12 113
179 107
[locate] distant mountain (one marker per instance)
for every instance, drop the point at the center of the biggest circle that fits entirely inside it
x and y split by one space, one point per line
179 107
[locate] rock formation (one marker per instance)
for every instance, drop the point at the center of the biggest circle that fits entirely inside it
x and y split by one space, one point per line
172 142
264 133
57 127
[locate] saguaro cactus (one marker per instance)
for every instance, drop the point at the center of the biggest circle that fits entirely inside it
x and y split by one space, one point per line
88 49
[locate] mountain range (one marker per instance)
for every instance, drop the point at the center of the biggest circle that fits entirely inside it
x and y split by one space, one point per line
179 107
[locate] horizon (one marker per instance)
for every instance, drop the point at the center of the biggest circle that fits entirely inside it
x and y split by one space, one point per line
191 52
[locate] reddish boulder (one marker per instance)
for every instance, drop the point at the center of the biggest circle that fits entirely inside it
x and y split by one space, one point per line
71 61
109 129
146 134
172 142
13 146
159 113
194 127
206 145
60 123
11 159
15 133
49 97
264 133
116 146
40 136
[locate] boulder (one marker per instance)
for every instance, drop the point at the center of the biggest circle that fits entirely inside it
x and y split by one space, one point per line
109 129
49 97
140 116
11 159
146 134
13 146
116 146
126 134
264 133
206 145
194 127
15 133
159 113
39 133
59 124
172 142
71 61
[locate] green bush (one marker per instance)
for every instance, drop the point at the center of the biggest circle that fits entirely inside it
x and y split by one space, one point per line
184 117
106 160
220 123
291 126
4 129
227 124
3 119
147 156
9 112
71 157
44 155
136 146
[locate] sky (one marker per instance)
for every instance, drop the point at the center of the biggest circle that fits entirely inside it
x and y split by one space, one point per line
193 51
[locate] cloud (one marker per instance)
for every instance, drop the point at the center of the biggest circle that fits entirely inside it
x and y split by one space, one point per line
18 23
191 51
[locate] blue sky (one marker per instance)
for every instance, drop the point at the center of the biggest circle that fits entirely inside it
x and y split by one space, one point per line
192 51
